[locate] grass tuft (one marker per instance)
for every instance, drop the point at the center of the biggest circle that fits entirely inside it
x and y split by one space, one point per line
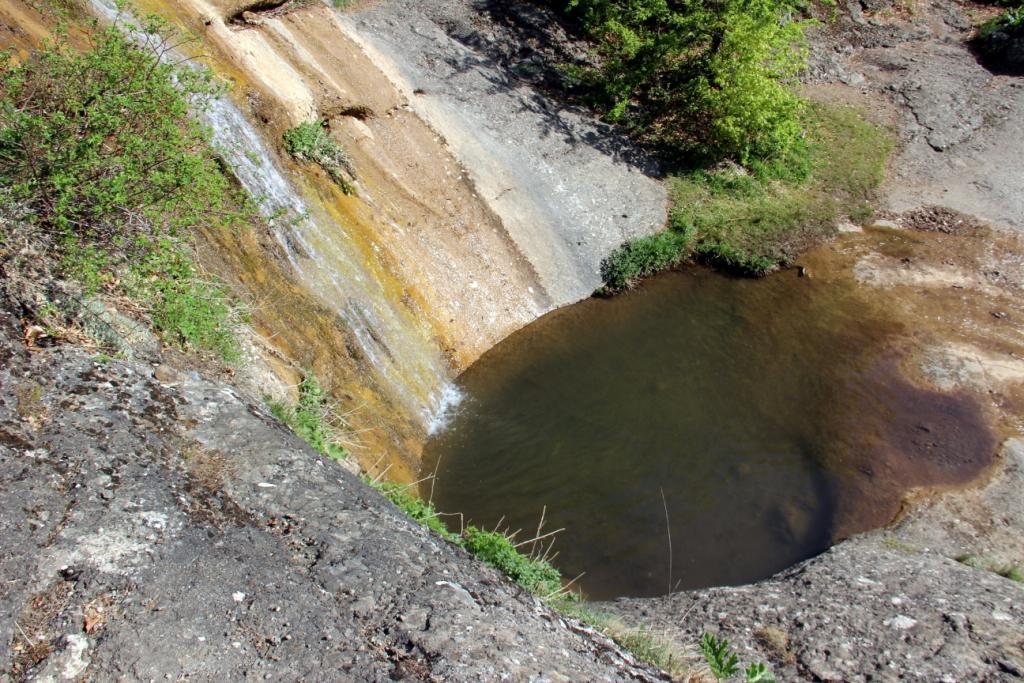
494 548
1008 571
310 142
645 645
312 418
753 219
420 510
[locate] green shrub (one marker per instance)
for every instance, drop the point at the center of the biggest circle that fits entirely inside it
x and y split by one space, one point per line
536 576
100 150
1011 21
311 418
709 80
643 256
310 142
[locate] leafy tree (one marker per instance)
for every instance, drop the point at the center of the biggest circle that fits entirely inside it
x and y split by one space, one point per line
708 77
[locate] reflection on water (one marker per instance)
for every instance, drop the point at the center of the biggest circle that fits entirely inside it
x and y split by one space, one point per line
770 413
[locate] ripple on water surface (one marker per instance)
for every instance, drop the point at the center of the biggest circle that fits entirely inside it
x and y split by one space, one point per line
771 413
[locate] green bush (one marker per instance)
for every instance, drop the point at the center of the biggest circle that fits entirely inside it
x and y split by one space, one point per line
311 418
536 576
643 256
1011 21
310 142
100 150
709 80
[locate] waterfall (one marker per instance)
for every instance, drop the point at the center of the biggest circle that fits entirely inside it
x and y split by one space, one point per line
330 264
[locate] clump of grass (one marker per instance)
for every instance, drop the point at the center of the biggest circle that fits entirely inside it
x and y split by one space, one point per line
312 419
420 510
1011 572
1007 571
642 257
496 549
776 642
645 645
890 542
534 574
310 142
752 219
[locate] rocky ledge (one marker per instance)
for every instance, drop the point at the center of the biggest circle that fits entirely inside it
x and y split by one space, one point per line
156 525
889 605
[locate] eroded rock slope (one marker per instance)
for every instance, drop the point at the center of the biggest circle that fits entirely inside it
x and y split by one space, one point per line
158 525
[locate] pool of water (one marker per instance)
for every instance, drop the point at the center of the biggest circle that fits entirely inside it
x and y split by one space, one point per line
745 425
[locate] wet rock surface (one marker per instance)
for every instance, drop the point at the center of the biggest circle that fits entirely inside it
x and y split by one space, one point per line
155 525
568 189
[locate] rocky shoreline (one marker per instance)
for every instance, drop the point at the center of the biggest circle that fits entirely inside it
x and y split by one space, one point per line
936 596
155 524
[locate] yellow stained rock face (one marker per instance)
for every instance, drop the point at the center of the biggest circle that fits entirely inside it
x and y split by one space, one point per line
388 294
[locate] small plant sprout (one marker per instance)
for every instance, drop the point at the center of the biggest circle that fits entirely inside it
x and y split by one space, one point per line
722 662
758 673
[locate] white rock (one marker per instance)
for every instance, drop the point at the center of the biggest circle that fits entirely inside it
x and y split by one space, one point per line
901 622
886 223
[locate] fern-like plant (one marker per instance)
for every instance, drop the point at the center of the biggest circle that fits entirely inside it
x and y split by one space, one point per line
720 658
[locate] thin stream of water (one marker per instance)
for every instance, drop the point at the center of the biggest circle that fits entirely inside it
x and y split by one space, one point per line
327 260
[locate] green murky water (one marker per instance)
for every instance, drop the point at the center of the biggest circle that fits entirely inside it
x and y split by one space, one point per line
770 415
